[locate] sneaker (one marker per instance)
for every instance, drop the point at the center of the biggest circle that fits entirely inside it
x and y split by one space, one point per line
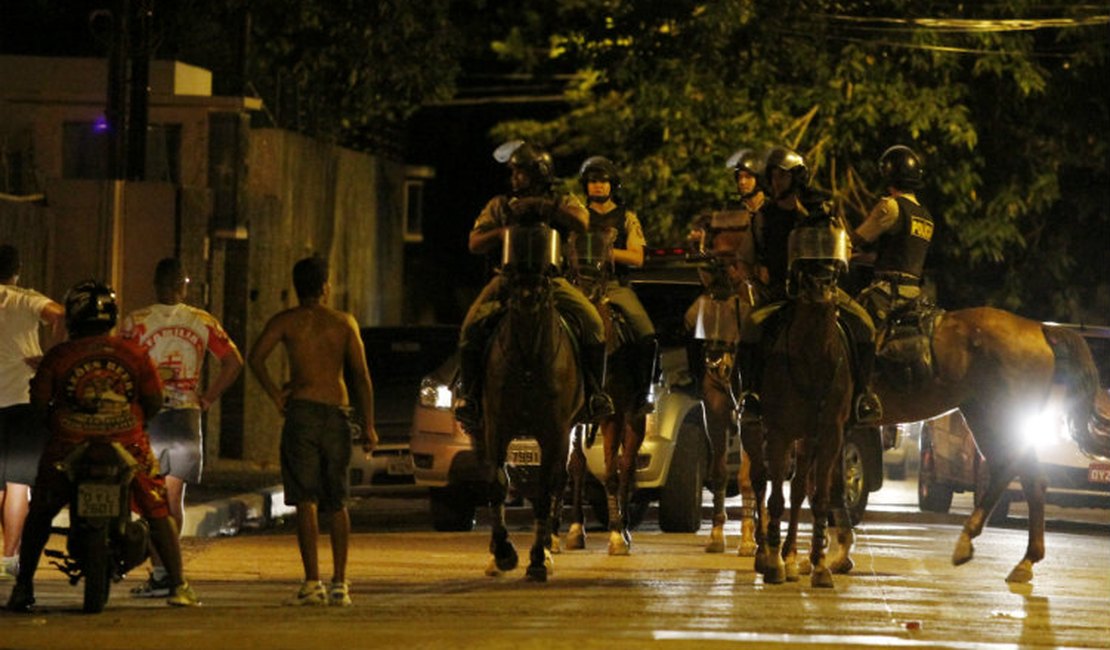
21 600
183 596
339 594
9 569
153 588
311 594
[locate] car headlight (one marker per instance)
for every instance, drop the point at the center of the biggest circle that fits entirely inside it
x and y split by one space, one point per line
1043 427
435 394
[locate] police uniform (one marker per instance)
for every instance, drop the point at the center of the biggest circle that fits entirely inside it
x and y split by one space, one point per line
629 234
902 229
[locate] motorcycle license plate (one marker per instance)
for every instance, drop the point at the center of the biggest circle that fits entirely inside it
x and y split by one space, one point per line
524 452
97 500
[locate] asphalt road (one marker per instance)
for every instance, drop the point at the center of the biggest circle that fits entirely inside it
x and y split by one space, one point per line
414 588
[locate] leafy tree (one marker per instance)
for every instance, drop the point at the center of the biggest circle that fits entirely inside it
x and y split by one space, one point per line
1001 109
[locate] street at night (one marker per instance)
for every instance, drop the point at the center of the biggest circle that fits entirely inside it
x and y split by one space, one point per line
413 588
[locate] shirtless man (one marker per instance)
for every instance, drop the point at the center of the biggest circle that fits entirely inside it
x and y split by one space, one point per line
316 440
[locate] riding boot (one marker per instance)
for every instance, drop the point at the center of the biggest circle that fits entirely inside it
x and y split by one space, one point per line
599 403
868 407
646 351
695 361
468 395
751 369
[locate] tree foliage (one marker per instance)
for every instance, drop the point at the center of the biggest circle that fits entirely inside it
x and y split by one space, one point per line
1000 99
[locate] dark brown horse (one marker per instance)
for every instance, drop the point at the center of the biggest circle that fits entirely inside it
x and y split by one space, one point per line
532 394
714 320
623 432
995 366
807 394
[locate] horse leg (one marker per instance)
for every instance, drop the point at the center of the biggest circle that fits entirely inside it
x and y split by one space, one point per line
552 479
576 469
827 455
798 486
503 556
751 435
620 537
718 404
1034 485
841 562
747 545
774 569
1001 468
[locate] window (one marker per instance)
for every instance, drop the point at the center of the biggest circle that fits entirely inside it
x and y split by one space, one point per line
85 151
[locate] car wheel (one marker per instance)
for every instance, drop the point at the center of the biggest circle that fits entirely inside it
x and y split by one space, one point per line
931 495
856 485
453 509
680 498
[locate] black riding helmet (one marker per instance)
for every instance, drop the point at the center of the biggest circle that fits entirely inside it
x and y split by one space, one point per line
535 162
90 309
600 168
901 168
790 161
745 160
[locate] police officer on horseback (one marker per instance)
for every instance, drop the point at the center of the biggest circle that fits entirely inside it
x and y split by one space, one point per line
601 184
793 203
532 200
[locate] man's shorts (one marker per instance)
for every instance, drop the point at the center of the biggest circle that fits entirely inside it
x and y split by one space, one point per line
21 445
315 454
176 441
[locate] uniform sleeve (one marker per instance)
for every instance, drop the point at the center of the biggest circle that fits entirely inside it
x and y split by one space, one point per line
634 232
881 219
491 215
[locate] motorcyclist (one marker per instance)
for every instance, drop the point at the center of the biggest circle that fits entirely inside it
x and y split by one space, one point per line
794 203
532 199
601 184
103 387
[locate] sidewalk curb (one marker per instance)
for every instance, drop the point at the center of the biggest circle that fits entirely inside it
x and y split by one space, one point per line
226 517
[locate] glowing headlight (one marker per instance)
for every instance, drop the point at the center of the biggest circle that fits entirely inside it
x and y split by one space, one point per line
435 395
1044 427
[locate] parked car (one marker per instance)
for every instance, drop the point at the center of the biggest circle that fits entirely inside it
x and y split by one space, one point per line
950 461
399 358
673 463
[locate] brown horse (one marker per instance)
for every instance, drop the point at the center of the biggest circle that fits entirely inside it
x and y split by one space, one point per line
807 388
533 391
995 366
623 432
714 319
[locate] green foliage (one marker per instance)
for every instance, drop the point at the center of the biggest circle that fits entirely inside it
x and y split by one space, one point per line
1001 114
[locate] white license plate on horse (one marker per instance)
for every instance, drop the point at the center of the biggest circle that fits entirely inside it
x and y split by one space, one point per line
1098 473
399 466
524 452
95 500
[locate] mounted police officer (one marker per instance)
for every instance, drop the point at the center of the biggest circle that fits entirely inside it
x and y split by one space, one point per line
793 203
531 200
899 229
601 184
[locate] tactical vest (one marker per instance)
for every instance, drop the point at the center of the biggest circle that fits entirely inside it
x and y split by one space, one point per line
615 219
772 235
902 249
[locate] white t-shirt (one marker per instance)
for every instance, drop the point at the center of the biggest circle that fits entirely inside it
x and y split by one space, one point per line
176 337
20 315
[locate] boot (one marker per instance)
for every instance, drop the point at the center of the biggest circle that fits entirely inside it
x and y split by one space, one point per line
750 370
695 361
646 351
599 404
868 408
468 396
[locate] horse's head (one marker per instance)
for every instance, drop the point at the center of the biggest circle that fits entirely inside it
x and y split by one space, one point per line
817 256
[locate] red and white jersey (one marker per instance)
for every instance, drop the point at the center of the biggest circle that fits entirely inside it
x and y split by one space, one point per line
177 337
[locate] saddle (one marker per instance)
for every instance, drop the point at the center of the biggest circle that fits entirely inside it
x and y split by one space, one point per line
905 354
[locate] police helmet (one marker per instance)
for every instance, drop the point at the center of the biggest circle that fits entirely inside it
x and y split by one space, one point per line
90 308
787 160
901 168
745 160
535 162
599 168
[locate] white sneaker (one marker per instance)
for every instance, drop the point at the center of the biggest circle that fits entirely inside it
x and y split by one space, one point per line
339 594
9 568
311 594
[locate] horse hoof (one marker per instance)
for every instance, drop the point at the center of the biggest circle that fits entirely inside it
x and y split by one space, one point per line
746 549
1022 573
536 573
716 540
576 538
775 575
842 565
964 551
619 544
821 578
506 562
805 567
492 570
556 546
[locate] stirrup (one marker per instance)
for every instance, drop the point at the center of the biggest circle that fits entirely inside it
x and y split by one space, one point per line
468 413
868 408
750 403
601 406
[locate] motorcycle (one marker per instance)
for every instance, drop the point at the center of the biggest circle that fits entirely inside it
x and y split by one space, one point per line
103 542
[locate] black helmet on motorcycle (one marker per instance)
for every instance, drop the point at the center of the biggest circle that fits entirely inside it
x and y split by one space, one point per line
787 160
599 168
535 162
901 168
90 309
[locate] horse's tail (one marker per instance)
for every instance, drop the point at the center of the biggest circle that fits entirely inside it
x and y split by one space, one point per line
1075 368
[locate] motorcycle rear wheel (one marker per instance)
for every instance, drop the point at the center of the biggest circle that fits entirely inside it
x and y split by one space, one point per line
97 570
